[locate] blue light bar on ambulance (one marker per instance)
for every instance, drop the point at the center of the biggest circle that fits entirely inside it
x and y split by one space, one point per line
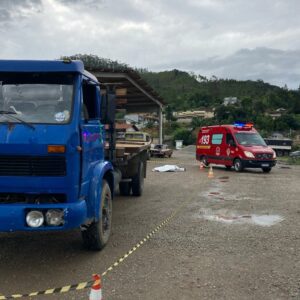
243 125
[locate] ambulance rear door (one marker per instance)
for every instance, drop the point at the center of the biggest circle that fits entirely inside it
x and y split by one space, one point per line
218 146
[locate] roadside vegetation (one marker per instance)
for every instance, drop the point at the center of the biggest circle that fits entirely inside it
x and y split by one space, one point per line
289 160
188 91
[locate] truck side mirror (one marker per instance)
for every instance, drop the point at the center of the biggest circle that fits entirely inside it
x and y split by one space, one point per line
108 108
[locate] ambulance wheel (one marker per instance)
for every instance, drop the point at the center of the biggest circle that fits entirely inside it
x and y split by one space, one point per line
205 162
266 170
96 235
238 165
125 188
138 181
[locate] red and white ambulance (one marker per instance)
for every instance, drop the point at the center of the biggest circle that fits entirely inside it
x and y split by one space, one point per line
238 145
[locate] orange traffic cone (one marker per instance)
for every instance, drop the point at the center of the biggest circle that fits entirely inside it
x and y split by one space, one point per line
201 167
96 291
210 173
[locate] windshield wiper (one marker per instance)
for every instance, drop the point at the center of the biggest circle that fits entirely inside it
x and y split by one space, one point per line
12 114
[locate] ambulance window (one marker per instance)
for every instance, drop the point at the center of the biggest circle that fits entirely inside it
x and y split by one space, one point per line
217 139
229 139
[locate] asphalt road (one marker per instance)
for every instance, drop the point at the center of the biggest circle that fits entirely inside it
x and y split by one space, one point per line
234 236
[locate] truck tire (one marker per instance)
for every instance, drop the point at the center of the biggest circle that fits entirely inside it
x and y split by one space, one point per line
96 235
137 183
237 164
266 170
125 188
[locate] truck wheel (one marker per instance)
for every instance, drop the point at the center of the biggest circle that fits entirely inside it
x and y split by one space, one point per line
137 183
205 162
238 165
125 188
96 235
266 170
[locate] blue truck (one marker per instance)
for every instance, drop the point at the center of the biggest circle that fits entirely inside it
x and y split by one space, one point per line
59 164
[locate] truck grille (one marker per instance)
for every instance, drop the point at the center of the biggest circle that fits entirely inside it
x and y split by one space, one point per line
32 165
264 155
11 198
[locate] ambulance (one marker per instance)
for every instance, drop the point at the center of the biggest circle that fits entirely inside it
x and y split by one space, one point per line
238 145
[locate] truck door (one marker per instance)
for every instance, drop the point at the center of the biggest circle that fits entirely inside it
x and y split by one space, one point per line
92 132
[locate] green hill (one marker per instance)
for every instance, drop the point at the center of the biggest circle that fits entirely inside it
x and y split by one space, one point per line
187 91
182 90
258 100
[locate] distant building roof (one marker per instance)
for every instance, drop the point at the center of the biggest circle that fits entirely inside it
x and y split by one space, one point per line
230 100
194 114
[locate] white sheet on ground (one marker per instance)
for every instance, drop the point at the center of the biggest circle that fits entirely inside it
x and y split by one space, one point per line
168 168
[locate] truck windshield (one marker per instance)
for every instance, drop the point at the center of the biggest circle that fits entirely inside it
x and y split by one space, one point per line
250 139
45 98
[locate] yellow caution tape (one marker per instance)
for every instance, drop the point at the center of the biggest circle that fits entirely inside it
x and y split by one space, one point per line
88 284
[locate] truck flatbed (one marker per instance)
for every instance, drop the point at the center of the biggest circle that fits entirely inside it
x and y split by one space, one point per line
128 149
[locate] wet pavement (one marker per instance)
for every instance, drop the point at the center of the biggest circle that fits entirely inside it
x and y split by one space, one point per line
233 236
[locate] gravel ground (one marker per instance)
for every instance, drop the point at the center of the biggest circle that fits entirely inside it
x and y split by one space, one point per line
235 236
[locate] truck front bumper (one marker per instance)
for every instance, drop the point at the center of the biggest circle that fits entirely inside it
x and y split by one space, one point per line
13 216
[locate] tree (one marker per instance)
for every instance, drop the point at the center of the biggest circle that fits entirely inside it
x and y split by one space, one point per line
185 135
169 113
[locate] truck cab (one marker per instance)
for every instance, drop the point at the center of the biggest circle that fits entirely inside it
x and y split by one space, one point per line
238 145
53 173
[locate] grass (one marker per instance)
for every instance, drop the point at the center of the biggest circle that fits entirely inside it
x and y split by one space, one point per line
289 160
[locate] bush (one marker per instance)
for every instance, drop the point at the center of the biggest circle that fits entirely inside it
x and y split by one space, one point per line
185 135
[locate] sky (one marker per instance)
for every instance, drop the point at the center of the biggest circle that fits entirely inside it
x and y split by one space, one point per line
239 39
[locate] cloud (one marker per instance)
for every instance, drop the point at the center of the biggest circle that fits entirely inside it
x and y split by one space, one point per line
13 10
228 38
271 65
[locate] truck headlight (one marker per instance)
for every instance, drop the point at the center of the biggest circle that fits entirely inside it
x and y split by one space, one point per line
35 219
249 154
55 217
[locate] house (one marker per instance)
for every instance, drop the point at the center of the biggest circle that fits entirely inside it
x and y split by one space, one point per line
141 120
187 116
230 101
277 113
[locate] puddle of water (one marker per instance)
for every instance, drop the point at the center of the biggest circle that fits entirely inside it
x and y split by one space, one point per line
230 218
266 220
